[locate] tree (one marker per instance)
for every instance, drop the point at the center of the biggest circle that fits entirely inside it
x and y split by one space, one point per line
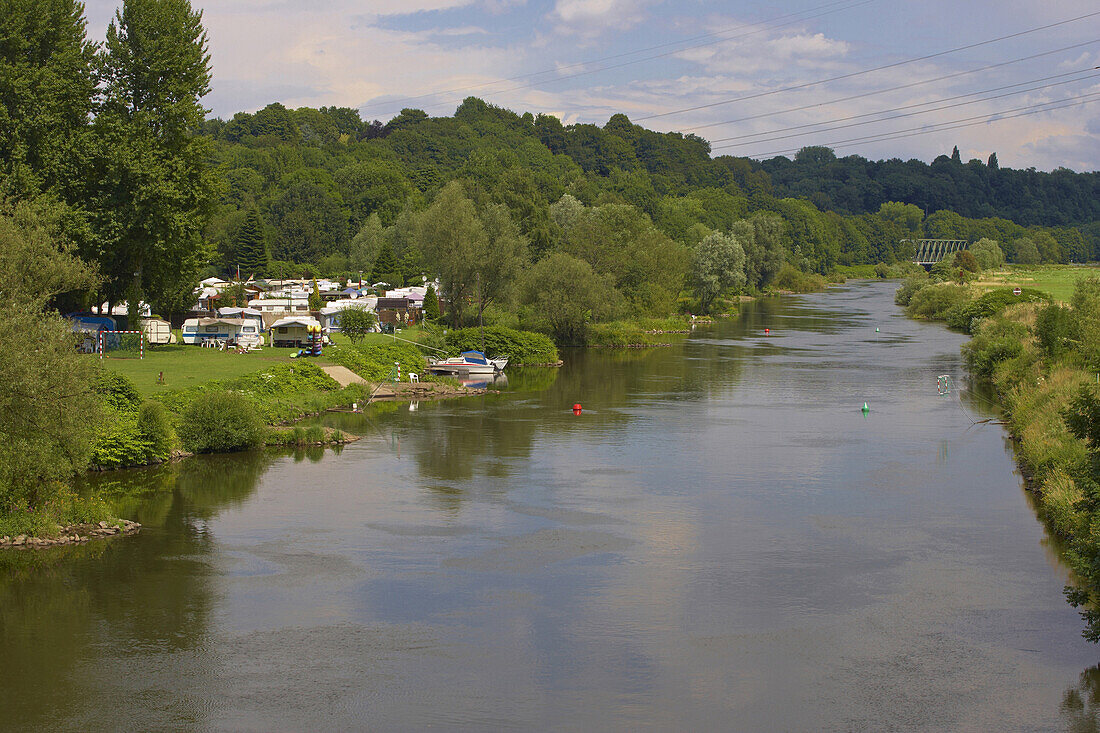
385 266
48 413
761 237
1027 253
47 82
563 294
501 259
356 322
988 254
431 304
451 237
965 260
717 266
152 189
249 245
315 301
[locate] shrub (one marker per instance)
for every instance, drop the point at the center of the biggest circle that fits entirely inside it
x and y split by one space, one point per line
116 390
882 271
966 316
298 435
156 429
220 422
1059 494
315 434
1056 330
995 342
909 288
793 280
934 302
337 436
356 322
521 347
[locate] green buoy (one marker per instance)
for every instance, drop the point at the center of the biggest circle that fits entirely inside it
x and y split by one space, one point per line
866 409
876 330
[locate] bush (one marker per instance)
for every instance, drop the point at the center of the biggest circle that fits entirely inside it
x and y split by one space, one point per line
219 422
882 271
1056 330
909 288
521 347
315 434
156 429
116 390
934 302
793 280
966 316
373 362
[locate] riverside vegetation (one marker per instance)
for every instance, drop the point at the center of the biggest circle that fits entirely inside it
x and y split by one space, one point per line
1042 357
583 233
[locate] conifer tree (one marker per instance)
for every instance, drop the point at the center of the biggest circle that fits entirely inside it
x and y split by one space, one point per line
385 265
431 304
249 245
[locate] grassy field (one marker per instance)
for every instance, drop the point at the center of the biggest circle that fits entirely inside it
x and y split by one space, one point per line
1057 280
187 366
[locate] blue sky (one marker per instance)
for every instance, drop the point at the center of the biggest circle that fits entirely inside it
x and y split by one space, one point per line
583 60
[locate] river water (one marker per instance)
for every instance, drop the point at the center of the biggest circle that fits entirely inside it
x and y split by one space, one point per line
722 540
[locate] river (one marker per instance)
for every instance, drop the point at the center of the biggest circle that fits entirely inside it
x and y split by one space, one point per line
721 540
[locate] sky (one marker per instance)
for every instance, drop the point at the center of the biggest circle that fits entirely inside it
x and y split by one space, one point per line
756 79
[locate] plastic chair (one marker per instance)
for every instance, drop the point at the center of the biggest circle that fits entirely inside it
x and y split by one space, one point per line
413 377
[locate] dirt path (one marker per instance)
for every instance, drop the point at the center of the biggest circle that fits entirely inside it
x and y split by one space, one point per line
343 375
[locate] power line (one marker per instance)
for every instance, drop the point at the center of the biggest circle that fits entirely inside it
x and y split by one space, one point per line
952 125
648 58
892 89
908 114
850 75
613 57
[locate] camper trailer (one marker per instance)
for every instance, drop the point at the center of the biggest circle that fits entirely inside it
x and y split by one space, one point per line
211 330
157 331
292 331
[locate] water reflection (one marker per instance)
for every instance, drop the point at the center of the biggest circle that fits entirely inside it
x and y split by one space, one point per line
1081 703
717 526
65 612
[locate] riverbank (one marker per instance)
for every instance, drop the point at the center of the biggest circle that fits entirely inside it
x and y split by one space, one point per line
1041 359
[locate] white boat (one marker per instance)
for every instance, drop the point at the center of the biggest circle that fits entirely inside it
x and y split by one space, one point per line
469 362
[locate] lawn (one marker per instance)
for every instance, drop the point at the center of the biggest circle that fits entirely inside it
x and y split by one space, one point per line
1057 280
186 366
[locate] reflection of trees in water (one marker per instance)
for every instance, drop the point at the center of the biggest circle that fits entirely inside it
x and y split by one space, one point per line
1080 708
68 614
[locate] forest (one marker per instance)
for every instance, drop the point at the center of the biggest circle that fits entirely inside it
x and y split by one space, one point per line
321 191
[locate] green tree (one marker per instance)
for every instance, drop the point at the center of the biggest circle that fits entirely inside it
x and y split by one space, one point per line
1086 309
988 254
385 266
249 246
48 412
718 265
152 187
431 304
315 302
356 322
1027 253
47 82
563 294
761 237
452 236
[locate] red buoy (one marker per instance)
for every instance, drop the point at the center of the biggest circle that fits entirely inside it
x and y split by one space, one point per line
577 409
767 331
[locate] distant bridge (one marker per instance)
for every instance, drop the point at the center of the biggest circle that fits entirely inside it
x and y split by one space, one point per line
931 251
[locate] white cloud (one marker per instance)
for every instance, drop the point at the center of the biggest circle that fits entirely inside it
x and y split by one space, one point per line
595 17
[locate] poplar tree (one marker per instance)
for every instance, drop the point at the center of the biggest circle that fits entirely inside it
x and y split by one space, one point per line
152 187
47 83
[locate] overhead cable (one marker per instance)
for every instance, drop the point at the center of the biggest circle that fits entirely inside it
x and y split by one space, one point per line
952 125
825 125
885 90
853 74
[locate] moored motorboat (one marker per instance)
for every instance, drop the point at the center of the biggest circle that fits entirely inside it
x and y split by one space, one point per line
469 362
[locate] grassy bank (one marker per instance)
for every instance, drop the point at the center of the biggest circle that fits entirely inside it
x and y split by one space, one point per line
1042 359
1057 281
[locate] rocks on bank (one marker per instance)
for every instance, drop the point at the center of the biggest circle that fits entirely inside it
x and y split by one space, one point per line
71 535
